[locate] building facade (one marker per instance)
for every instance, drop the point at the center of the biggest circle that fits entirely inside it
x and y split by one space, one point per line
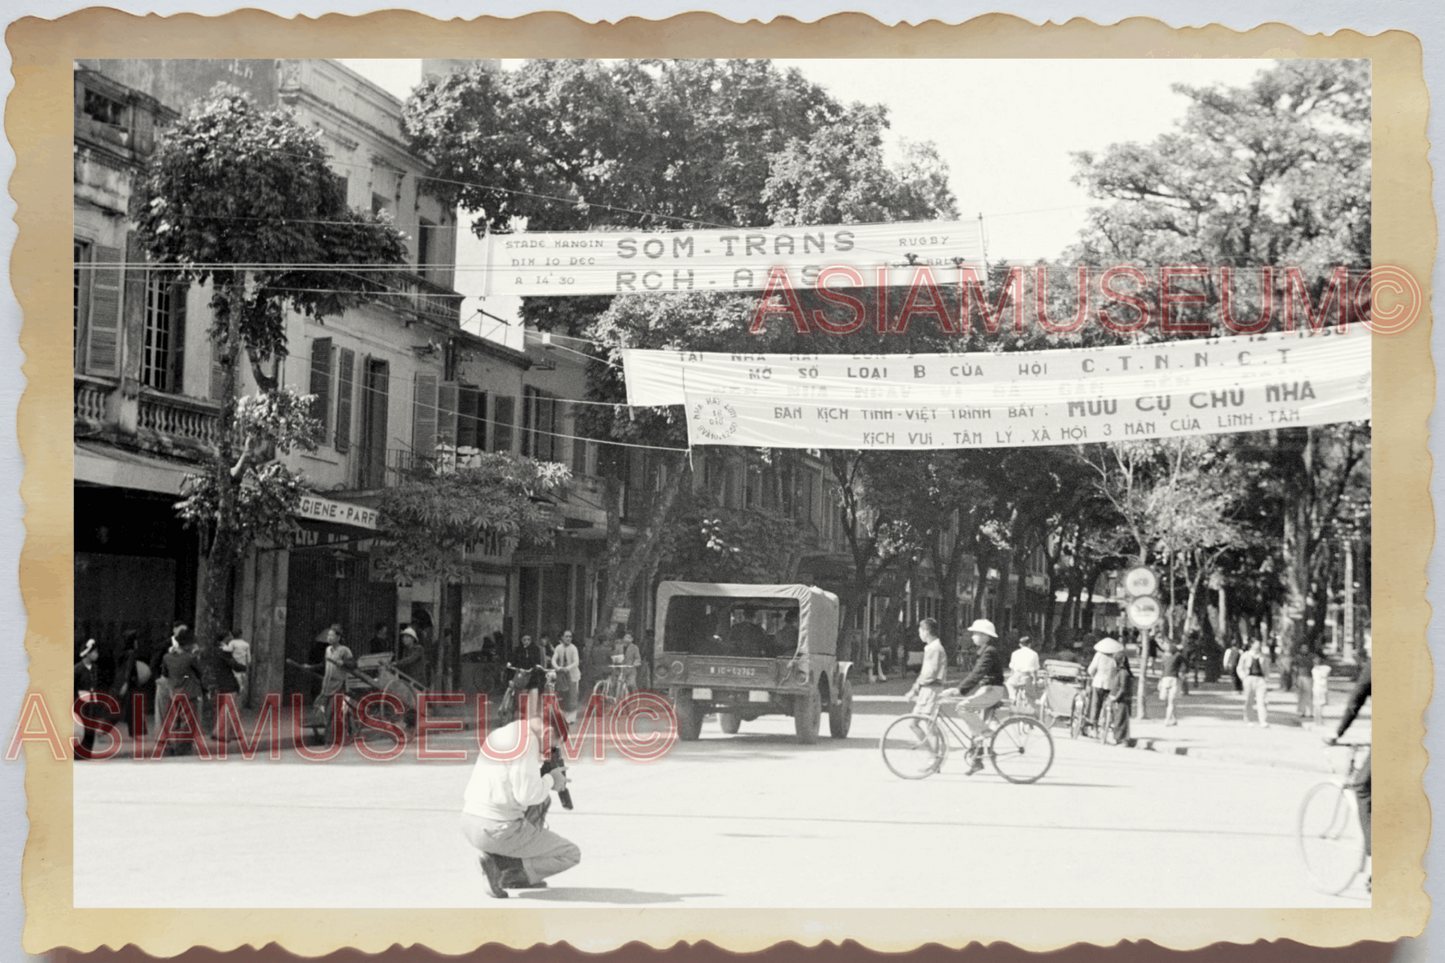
146 390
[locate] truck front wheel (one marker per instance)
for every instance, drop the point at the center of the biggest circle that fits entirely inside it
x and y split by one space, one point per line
807 715
730 722
689 717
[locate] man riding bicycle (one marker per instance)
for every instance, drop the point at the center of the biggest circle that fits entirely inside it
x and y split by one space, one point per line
1362 775
1023 668
984 685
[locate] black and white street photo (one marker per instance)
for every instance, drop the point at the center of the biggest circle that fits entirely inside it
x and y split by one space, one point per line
694 484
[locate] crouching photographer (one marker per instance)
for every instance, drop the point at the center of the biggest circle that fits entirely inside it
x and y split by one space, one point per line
506 802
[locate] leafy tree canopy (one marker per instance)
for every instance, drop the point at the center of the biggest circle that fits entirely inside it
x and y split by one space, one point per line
244 198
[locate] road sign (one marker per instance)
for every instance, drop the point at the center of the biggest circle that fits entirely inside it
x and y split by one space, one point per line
1140 581
1144 611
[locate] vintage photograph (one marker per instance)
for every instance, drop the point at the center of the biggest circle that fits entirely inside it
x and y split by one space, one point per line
852 498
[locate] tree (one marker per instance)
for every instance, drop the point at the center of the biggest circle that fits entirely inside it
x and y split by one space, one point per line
243 200
430 521
1271 174
572 145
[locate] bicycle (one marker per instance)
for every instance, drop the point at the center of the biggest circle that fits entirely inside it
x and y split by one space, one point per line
1019 747
1331 840
520 678
618 685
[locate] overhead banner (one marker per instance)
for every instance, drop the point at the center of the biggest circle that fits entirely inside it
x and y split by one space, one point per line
980 400
723 259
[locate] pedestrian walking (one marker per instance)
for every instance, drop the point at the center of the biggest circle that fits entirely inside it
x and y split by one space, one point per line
164 685
1121 692
1101 675
129 683
182 671
1231 665
505 806
1253 671
932 675
568 664
225 673
335 659
86 686
1169 683
1320 688
240 650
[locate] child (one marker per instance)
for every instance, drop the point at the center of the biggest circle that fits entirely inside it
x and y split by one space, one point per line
1321 675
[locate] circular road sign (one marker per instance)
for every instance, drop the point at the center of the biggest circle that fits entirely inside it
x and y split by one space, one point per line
1144 612
1140 581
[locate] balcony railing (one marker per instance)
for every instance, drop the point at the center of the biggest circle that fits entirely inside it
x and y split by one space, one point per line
179 416
90 399
426 298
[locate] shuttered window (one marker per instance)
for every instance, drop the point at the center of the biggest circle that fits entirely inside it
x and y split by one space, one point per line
345 376
321 383
471 418
102 341
424 417
447 414
503 419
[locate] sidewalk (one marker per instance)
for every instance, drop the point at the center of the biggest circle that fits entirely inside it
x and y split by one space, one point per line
1210 725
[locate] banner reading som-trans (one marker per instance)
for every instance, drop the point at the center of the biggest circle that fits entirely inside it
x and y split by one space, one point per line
722 259
983 399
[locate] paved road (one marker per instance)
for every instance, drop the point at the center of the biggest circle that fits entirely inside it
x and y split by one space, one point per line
729 821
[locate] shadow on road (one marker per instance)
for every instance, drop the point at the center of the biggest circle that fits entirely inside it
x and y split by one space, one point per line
626 897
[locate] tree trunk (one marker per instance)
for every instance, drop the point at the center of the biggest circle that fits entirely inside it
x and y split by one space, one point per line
219 555
626 565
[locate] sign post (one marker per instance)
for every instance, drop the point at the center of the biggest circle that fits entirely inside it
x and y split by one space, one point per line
1143 612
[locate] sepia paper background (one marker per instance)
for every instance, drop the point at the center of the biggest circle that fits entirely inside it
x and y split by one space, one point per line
1404 231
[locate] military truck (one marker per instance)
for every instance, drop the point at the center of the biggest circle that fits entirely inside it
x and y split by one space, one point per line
744 651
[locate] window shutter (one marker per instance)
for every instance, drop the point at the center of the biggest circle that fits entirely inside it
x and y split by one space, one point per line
502 421
447 414
345 375
529 421
548 444
178 337
102 346
469 427
424 416
321 382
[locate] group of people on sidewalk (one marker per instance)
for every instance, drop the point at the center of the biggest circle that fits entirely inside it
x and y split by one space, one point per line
174 686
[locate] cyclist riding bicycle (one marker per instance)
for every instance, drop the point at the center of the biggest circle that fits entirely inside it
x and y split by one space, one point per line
984 687
1023 668
1362 775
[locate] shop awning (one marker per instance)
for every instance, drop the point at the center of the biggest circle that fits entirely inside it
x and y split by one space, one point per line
101 464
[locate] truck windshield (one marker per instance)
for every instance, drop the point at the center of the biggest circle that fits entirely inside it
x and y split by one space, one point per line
745 627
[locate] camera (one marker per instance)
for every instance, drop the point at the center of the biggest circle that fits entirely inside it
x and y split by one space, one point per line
554 761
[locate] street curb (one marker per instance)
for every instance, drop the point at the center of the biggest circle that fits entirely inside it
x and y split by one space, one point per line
1214 754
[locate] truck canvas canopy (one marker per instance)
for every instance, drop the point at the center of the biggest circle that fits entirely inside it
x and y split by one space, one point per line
712 618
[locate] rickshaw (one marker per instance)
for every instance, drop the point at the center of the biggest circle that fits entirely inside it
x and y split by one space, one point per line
1063 682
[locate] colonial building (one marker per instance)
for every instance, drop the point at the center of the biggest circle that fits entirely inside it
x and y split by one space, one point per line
385 375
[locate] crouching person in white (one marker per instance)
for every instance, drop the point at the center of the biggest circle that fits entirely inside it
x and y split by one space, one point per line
505 809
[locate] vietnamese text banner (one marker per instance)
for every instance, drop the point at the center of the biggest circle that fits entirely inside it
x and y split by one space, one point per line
1113 372
724 259
1157 390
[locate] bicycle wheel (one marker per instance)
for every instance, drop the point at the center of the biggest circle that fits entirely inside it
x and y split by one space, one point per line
1021 749
1331 842
909 757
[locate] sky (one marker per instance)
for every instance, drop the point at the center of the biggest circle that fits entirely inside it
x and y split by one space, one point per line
1006 128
